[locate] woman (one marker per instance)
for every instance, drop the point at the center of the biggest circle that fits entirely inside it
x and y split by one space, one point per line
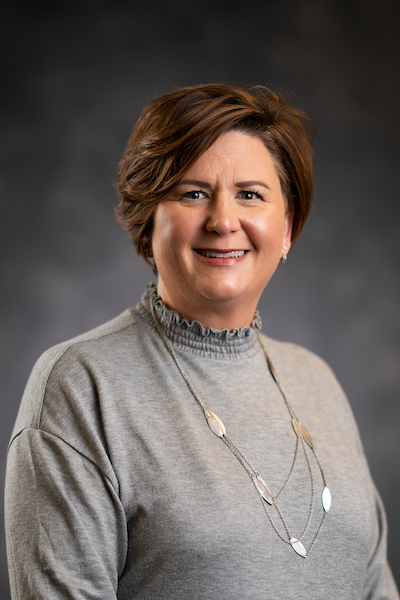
176 452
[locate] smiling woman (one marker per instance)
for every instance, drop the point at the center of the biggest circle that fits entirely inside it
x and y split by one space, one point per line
218 235
176 452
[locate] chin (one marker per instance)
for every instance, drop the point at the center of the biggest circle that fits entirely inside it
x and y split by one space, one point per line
224 292
234 289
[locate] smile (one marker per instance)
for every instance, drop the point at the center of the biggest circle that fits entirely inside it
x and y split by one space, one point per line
213 254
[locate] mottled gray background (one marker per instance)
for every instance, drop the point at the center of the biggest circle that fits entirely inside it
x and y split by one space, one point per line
74 78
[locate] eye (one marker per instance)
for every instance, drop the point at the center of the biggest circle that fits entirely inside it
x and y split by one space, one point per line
249 195
194 195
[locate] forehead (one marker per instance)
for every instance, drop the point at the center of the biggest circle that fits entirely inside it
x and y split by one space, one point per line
235 152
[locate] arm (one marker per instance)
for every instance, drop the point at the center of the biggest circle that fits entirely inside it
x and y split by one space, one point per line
379 583
65 526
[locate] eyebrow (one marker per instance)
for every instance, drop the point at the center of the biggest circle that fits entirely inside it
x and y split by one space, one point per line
243 184
196 182
239 184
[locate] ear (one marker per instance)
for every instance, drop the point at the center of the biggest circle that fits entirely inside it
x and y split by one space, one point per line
287 233
146 245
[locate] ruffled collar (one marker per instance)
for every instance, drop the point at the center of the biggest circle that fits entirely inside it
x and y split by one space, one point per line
194 338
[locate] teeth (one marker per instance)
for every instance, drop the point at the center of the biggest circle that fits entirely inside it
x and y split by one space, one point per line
233 254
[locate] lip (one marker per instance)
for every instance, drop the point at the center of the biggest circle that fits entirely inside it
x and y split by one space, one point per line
217 261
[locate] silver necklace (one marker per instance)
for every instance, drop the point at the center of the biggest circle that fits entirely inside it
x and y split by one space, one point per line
302 437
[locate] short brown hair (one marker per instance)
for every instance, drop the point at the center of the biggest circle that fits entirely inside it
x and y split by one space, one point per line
174 130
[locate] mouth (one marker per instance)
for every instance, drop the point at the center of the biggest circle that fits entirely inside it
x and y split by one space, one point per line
216 254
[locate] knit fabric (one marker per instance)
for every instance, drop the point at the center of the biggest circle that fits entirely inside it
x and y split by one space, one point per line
117 488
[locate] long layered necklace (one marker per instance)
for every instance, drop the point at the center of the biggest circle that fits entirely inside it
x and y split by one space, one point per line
303 438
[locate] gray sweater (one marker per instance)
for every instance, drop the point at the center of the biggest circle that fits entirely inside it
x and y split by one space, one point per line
117 488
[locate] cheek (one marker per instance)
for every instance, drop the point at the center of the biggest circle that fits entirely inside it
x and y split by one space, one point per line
162 228
170 232
268 232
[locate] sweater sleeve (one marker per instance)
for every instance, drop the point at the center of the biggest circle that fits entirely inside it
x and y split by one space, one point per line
379 583
65 526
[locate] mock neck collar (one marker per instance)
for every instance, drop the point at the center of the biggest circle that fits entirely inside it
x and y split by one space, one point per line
196 339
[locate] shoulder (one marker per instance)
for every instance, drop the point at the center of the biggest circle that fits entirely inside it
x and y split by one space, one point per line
98 342
304 374
70 372
293 358
110 332
310 382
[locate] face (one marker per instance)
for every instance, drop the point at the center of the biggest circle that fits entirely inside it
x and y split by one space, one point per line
219 234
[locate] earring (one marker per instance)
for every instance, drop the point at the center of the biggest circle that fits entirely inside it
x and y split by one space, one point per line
283 258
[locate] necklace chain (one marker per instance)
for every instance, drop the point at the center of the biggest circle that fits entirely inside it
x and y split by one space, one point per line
302 436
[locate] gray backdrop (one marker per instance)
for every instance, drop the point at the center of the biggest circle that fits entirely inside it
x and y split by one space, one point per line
74 79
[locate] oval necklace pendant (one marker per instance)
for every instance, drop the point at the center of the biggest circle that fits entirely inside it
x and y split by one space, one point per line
262 489
215 423
326 499
300 429
298 547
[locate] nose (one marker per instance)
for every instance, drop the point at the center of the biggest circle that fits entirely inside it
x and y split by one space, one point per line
223 216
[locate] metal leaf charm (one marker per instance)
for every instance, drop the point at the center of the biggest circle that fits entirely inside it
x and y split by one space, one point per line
326 499
298 547
301 429
294 425
215 423
262 489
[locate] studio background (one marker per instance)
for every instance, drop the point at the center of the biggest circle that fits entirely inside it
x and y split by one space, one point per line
74 80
